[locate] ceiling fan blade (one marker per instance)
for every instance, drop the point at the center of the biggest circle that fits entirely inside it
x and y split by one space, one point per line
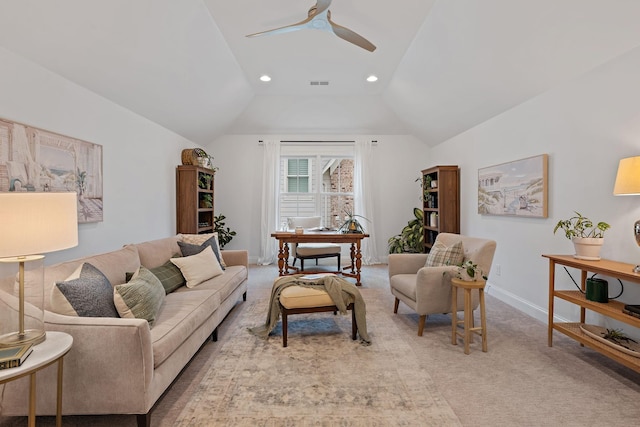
285 29
322 5
352 37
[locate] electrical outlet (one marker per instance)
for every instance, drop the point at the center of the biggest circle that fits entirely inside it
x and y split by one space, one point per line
498 270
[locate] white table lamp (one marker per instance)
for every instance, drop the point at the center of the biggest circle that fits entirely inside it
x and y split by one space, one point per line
32 224
628 183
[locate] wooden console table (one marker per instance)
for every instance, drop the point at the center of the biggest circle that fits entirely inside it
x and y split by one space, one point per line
286 237
612 309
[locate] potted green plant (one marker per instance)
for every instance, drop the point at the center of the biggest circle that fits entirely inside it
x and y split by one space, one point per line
411 238
206 201
225 234
587 238
470 272
351 223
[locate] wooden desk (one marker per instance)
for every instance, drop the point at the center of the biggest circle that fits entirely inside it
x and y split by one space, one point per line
50 351
286 237
613 309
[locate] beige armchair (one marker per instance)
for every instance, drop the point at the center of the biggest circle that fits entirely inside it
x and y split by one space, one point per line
311 250
426 289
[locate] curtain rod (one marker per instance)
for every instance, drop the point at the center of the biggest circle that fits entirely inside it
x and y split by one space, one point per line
292 142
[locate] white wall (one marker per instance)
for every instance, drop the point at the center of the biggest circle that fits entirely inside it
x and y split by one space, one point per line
586 125
238 193
139 157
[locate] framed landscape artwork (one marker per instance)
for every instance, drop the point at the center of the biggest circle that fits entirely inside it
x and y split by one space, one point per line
517 188
33 159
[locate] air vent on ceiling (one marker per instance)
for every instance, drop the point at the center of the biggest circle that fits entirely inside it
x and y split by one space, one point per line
319 83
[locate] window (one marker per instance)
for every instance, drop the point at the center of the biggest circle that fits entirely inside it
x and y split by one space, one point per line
318 185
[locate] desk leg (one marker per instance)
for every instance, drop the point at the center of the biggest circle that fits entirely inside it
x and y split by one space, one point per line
59 395
32 400
358 263
552 280
281 257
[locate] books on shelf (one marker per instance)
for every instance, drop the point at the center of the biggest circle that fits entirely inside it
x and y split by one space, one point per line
12 357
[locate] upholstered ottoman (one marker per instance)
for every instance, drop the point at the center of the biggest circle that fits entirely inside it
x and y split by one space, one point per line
300 299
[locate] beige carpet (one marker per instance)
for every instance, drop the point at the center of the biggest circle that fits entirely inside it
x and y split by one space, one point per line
519 382
322 378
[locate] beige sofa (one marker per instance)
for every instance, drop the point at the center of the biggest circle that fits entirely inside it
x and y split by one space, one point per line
121 365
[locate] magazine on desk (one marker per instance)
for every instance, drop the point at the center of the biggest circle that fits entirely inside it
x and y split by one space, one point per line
12 357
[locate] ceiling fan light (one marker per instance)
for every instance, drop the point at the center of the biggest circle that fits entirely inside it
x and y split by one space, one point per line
265 78
372 78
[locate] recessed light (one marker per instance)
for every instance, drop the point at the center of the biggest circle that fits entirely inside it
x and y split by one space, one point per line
265 78
372 78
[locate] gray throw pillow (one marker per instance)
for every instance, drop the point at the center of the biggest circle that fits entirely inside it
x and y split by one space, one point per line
86 293
188 249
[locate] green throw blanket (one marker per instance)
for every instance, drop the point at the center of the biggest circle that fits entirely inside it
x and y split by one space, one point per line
342 294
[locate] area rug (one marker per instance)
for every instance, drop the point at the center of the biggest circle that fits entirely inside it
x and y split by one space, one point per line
323 378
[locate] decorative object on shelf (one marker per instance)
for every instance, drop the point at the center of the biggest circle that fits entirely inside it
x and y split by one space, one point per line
197 157
351 223
411 238
614 338
37 160
34 223
587 238
206 201
628 184
224 234
433 219
517 188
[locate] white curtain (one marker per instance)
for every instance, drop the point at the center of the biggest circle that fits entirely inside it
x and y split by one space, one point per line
363 197
270 198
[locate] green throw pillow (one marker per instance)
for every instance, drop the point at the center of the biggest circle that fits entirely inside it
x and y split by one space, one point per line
169 275
440 255
141 297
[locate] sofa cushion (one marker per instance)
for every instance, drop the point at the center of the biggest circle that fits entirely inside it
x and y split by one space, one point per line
154 253
189 249
86 293
198 239
141 297
113 265
181 314
198 268
440 254
225 283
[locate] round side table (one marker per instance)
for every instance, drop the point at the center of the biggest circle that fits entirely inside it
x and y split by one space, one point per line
51 350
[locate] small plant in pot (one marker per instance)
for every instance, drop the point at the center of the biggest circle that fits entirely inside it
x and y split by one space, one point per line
586 236
351 223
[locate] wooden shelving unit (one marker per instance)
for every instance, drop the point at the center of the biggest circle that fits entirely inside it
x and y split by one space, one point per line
444 202
193 185
612 309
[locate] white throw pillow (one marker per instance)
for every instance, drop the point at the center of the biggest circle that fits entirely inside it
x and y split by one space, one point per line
198 239
198 268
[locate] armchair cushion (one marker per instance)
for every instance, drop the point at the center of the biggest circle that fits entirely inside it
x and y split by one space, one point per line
442 254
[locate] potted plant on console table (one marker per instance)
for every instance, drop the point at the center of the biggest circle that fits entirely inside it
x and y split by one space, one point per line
587 238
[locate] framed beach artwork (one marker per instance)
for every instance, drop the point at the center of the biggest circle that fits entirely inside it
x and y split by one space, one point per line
517 188
33 159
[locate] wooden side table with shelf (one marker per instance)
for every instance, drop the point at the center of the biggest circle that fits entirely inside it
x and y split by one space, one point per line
51 350
612 309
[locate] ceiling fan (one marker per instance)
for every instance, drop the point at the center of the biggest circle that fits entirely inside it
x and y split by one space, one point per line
320 19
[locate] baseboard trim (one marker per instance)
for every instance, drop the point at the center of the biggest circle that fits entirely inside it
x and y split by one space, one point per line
537 312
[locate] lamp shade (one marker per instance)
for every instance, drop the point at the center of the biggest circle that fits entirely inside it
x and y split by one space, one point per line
37 223
628 177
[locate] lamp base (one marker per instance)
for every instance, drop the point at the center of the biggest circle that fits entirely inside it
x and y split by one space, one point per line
636 269
32 336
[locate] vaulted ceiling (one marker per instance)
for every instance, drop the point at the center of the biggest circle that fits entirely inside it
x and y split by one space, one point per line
444 66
